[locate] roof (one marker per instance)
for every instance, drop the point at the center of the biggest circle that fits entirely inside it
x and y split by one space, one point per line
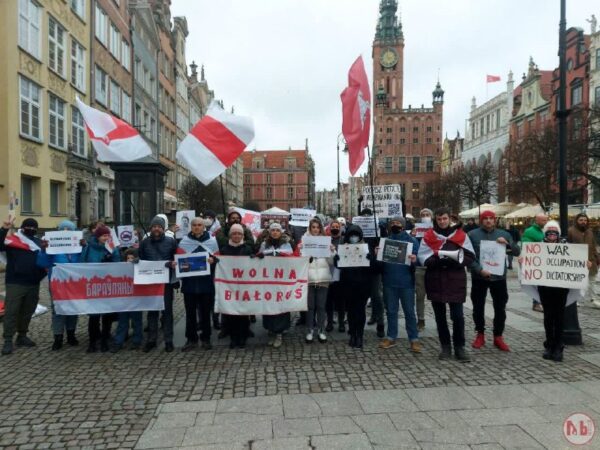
546 84
275 159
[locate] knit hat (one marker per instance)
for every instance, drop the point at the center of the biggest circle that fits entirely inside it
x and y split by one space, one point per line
275 226
233 211
366 212
487 214
210 213
157 220
67 224
101 231
551 225
29 222
400 219
236 227
426 211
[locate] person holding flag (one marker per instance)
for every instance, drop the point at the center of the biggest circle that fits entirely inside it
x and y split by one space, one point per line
446 250
22 279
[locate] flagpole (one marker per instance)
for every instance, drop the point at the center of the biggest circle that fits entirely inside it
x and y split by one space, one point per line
372 192
223 198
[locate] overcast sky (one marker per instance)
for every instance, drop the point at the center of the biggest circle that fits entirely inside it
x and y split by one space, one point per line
285 62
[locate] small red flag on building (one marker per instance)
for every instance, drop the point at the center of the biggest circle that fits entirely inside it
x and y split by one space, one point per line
356 110
492 78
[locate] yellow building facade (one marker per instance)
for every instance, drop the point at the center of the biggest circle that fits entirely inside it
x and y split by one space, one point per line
45 64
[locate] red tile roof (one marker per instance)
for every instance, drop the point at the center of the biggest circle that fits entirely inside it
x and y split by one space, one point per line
274 159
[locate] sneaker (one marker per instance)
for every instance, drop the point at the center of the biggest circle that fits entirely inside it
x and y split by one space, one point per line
595 304
387 343
479 341
322 337
7 348
380 330
461 355
151 345
415 347
499 342
309 337
24 341
329 327
446 352
537 307
206 345
278 342
189 346
169 347
421 325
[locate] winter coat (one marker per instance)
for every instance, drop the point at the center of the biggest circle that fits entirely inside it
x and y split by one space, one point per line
481 234
319 269
355 275
95 252
242 250
400 275
533 234
48 262
201 284
21 267
281 248
158 249
576 236
222 235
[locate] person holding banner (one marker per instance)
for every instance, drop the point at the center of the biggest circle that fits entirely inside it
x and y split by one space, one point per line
426 216
446 250
22 280
198 291
61 323
96 251
399 285
581 233
238 326
276 244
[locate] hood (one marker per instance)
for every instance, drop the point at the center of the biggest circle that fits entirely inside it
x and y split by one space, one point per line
165 220
353 230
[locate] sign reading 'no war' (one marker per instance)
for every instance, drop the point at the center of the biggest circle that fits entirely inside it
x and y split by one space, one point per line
555 265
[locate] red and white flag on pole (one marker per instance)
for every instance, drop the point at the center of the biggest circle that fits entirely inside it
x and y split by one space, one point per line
113 139
356 110
492 78
214 143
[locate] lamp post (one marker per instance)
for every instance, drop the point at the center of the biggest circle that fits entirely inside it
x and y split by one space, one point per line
572 331
339 203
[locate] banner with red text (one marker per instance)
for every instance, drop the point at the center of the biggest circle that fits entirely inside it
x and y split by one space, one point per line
554 264
267 286
98 288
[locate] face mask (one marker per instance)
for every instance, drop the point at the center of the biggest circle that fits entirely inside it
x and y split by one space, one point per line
208 222
335 231
354 239
396 229
29 232
426 219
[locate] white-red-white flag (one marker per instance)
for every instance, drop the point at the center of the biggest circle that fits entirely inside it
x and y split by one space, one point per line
214 143
113 139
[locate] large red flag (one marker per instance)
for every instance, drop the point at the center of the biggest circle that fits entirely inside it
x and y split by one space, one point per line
492 78
356 109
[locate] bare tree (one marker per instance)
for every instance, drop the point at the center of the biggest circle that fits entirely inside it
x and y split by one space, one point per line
251 205
199 197
478 183
444 191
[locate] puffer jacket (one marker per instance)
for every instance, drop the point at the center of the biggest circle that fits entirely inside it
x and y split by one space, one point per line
162 248
319 269
21 265
95 252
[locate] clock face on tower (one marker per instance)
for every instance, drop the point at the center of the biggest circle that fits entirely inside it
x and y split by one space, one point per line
389 58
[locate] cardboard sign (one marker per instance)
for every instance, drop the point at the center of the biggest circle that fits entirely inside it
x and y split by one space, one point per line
421 228
126 235
266 286
388 199
367 224
301 217
184 220
555 265
192 265
63 242
395 252
353 255
151 272
492 257
316 246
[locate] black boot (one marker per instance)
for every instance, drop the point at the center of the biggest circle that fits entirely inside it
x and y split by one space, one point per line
104 347
548 350
352 342
461 355
92 348
359 339
7 349
216 322
71 339
446 352
341 326
557 354
58 342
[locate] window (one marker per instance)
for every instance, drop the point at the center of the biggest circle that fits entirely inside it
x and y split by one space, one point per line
429 129
115 98
388 130
576 95
402 164
56 47
290 193
429 164
247 193
115 42
403 141
28 193
415 140
78 133
77 65
597 96
78 7
290 178
415 129
101 203
101 86
126 107
268 178
269 193
598 58
497 119
100 25
416 164
29 27
30 103
402 129
56 190
388 141
487 123
57 122
247 179
415 191
388 164
428 140
125 55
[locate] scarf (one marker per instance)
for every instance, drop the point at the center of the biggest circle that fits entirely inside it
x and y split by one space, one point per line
433 242
233 244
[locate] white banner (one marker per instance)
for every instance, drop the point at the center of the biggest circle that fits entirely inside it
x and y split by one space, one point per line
267 286
126 235
184 220
367 224
192 265
555 265
353 255
301 217
388 199
63 242
316 246
492 257
151 272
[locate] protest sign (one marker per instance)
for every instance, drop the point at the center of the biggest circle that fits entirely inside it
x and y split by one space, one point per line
251 219
113 242
268 286
192 265
395 252
555 265
184 220
63 242
492 257
367 225
316 246
97 288
126 235
388 199
301 217
421 228
151 272
353 255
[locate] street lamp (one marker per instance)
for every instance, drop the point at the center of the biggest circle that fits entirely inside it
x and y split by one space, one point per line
339 202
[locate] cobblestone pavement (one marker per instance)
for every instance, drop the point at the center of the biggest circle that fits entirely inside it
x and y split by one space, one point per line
73 399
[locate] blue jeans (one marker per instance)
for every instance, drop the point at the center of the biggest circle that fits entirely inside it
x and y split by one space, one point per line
123 327
407 299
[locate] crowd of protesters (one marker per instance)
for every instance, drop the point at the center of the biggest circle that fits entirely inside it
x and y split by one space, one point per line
437 270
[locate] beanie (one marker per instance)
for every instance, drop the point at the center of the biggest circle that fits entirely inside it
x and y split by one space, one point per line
236 227
487 214
366 212
157 220
552 225
400 219
275 226
29 222
210 213
233 211
67 224
101 231
426 211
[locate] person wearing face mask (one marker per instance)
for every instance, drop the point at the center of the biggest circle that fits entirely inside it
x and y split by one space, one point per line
22 279
580 233
399 286
335 301
426 214
211 222
222 235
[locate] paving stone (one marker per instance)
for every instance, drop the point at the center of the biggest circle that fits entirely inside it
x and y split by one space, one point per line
228 432
189 407
341 442
338 425
469 436
175 420
393 400
290 443
501 416
412 420
300 405
488 447
257 405
296 427
227 446
392 439
504 396
589 387
549 435
512 436
338 403
447 419
559 413
161 438
442 398
558 393
243 417
371 423
592 358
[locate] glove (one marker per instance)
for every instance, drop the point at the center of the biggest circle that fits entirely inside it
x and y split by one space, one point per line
310 260
260 255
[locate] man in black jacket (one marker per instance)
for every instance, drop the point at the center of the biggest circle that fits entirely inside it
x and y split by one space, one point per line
23 278
159 247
